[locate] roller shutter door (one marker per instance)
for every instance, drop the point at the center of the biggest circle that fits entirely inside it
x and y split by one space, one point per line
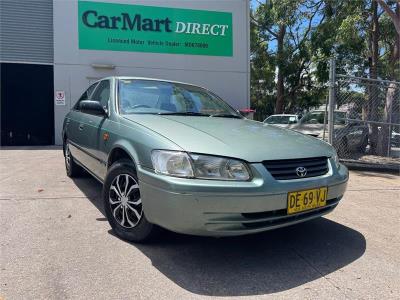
26 31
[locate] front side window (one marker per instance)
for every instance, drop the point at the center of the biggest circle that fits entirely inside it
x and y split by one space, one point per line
313 118
157 97
318 118
340 118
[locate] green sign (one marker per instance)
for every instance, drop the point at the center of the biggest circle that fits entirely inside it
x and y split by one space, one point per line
121 27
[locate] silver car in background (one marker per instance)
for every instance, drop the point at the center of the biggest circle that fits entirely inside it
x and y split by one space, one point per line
282 120
349 137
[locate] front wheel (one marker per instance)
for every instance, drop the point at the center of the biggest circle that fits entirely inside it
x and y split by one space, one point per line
123 204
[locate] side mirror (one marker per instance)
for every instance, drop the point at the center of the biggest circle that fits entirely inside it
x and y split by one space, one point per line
92 107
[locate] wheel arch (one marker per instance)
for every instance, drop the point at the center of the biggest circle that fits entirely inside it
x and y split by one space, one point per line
122 151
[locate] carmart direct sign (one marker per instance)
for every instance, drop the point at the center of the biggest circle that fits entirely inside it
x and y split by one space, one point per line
121 27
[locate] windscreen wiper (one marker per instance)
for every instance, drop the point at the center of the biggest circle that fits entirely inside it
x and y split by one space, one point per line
185 113
227 116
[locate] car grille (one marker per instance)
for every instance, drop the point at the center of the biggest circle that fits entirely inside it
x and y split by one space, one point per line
282 213
286 169
232 222
290 218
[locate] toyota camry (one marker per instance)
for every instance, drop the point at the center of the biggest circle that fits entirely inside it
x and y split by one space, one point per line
176 156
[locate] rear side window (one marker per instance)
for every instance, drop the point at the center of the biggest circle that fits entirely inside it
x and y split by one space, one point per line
86 95
102 93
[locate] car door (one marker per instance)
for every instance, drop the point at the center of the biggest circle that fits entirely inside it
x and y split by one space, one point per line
73 126
351 136
93 127
356 135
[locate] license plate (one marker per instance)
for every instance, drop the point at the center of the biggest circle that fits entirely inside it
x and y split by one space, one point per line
308 199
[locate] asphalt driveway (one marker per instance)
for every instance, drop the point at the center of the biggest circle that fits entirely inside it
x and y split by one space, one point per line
55 243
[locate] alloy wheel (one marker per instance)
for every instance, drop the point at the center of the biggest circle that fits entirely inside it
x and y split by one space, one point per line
124 199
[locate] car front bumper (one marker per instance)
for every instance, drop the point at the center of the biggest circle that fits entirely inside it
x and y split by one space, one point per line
225 208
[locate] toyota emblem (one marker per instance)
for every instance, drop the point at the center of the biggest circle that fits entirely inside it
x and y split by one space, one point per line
301 171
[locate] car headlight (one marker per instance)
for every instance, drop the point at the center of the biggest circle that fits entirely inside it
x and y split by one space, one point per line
172 163
214 167
181 164
336 160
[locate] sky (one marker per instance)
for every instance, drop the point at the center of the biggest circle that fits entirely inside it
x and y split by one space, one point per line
253 3
272 45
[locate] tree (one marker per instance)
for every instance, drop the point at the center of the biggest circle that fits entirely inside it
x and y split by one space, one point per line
262 67
362 37
285 27
292 42
393 44
373 74
394 15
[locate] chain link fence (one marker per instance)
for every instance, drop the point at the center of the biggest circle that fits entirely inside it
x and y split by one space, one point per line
366 121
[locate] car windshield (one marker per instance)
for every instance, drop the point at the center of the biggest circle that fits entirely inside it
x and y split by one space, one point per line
317 117
137 96
280 120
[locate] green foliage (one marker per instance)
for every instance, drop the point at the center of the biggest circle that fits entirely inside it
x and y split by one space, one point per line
315 30
298 19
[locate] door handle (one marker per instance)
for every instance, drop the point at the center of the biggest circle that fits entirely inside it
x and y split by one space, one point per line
80 126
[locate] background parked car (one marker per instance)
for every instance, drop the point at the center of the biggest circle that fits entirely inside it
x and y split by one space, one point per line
283 120
395 139
349 137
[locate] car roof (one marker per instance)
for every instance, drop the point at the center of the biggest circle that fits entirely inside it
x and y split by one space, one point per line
322 111
283 115
149 79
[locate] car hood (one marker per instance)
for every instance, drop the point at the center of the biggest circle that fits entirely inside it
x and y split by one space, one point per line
279 125
315 129
311 129
240 138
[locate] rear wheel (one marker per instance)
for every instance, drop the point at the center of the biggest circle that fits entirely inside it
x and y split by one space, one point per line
71 167
363 146
123 204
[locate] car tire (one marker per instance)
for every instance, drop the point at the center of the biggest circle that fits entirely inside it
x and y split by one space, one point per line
122 204
363 146
71 167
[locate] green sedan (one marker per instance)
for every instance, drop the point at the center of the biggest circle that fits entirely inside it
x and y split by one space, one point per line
175 156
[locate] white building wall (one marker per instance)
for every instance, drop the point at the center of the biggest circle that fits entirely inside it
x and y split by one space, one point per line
228 77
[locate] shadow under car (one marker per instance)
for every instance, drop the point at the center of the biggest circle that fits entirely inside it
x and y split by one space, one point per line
264 263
